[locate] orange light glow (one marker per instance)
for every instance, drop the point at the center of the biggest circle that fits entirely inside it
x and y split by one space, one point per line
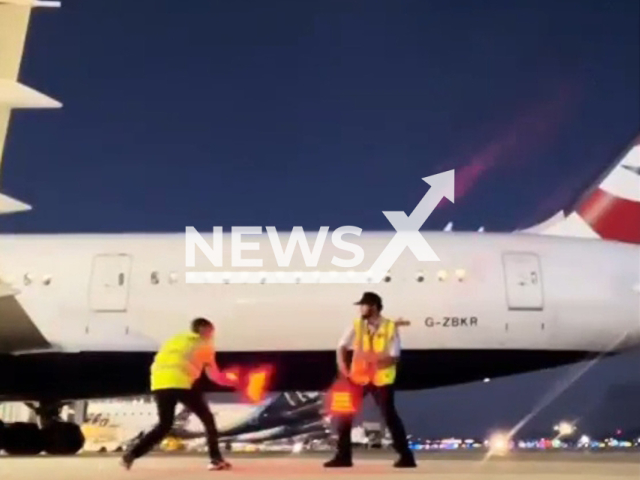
251 383
256 384
343 398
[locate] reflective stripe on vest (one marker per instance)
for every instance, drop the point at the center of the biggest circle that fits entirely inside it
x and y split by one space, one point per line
362 372
173 365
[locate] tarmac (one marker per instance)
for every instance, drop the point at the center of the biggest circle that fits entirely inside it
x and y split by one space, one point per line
454 466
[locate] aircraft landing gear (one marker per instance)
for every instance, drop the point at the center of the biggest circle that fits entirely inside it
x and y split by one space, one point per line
62 438
22 438
54 436
1 435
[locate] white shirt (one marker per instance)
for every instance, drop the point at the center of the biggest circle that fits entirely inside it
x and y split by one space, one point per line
347 339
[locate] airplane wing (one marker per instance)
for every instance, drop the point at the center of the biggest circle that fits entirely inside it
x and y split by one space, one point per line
14 21
11 205
17 331
7 290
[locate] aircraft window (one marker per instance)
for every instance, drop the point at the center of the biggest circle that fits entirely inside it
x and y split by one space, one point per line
27 279
173 277
46 279
420 277
121 279
387 278
442 275
155 278
461 273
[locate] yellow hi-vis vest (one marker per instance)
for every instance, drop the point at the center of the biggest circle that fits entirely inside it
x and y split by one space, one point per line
179 362
380 342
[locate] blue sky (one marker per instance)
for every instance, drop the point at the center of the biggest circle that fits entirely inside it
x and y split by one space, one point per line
325 113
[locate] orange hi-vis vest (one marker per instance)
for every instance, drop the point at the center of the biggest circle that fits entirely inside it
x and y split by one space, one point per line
362 372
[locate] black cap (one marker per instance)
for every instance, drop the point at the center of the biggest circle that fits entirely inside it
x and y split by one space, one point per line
370 298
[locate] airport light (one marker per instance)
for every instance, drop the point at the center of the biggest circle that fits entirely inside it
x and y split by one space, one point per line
499 444
584 441
565 429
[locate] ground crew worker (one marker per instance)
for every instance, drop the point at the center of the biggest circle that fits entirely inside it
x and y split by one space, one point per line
176 367
376 350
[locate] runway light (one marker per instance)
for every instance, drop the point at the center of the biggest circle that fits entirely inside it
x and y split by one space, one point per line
297 447
565 429
584 441
499 444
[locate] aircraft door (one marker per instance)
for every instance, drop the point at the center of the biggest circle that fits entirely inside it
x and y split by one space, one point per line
523 280
109 285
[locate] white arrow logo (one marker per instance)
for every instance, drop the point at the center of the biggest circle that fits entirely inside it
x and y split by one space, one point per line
408 227
407 235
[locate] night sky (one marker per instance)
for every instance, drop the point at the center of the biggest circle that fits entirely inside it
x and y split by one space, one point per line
327 112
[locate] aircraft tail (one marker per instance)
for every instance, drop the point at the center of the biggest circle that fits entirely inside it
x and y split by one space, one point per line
609 210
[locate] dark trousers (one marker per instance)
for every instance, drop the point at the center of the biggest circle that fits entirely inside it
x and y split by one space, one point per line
166 400
384 398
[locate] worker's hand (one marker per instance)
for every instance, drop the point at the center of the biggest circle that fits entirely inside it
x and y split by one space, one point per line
228 378
226 381
401 322
343 371
371 357
385 361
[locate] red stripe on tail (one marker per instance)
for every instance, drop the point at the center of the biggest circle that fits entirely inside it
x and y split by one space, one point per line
613 218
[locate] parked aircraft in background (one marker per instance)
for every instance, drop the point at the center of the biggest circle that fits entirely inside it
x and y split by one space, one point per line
84 314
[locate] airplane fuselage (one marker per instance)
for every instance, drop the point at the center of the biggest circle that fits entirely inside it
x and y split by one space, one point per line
91 310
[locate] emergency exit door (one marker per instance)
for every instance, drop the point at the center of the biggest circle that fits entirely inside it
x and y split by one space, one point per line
523 280
109 288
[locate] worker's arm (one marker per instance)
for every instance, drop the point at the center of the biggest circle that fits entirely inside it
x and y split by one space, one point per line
216 376
343 347
212 370
386 361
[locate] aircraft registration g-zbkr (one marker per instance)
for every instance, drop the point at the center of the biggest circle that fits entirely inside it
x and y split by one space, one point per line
81 315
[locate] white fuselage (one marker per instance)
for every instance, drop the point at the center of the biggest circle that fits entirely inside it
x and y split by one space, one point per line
488 292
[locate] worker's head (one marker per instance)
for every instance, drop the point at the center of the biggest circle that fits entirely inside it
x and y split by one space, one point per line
370 305
203 327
